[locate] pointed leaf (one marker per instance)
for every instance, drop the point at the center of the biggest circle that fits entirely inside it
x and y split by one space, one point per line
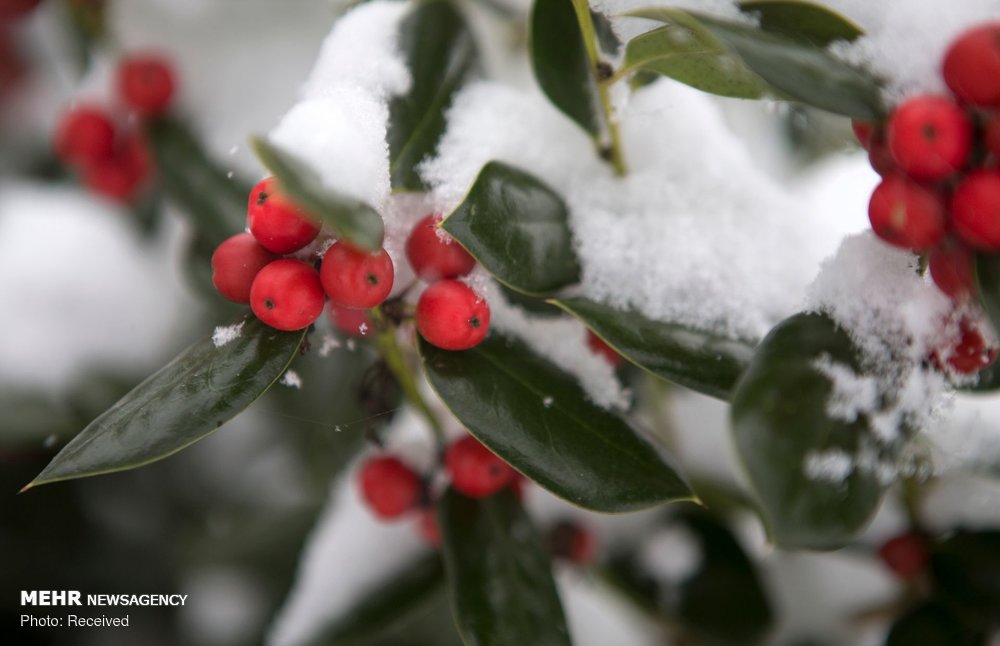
215 204
686 51
698 360
537 418
517 228
803 21
440 53
499 574
561 63
196 393
350 218
783 430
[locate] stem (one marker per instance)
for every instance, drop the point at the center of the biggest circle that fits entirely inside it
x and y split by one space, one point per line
393 356
912 494
617 158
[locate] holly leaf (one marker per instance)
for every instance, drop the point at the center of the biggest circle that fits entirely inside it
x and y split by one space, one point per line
561 63
704 362
499 575
389 601
789 441
214 203
517 228
793 68
440 53
538 418
349 218
193 395
686 51
802 21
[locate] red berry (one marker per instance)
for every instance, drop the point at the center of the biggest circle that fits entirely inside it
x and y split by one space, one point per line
476 471
950 265
122 175
906 555
287 295
879 156
351 321
12 9
991 135
971 65
930 137
451 316
572 542
276 223
428 527
975 210
355 278
85 135
599 347
146 83
863 131
906 214
434 255
235 264
389 487
970 354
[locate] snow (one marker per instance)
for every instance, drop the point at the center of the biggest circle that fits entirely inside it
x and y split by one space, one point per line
224 334
291 379
833 466
671 554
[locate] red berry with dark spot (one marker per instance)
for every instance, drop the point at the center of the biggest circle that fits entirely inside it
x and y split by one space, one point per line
907 555
146 83
950 265
84 136
906 214
971 66
451 316
276 223
235 263
350 321
930 137
476 471
287 295
434 255
355 278
389 487
599 347
975 210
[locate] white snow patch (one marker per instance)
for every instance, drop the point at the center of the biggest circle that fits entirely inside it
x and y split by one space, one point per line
671 554
853 394
328 343
224 334
291 379
833 466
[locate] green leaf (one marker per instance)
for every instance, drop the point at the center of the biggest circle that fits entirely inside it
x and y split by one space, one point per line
349 218
686 51
440 53
802 21
704 362
385 604
988 278
780 422
561 64
499 574
184 401
793 68
537 418
517 228
214 203
966 569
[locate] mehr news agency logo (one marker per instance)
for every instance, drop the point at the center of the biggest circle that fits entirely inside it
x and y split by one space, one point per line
76 598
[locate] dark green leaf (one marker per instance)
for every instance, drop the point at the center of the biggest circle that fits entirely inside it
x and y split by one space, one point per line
184 401
803 21
704 362
966 570
780 423
988 277
215 204
931 624
537 418
686 51
562 66
723 602
794 69
499 574
349 218
440 52
517 228
606 36
388 602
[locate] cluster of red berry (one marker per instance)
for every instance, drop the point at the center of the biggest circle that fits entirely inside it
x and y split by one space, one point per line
110 154
940 192
289 293
392 489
